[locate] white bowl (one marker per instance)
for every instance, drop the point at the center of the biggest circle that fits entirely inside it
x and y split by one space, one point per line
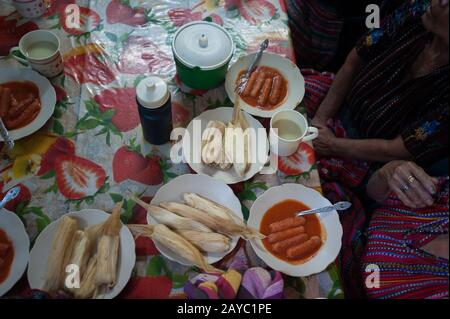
86 218
47 95
207 187
296 82
329 221
223 114
11 224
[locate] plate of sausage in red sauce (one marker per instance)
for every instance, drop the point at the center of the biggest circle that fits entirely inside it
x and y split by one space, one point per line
296 246
27 101
14 250
275 84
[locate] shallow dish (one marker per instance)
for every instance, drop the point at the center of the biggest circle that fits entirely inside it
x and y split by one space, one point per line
47 96
14 228
207 187
86 218
296 82
223 114
330 224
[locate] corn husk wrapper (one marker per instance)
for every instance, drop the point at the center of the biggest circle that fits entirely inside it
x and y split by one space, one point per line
108 250
197 201
221 225
207 242
213 152
81 251
176 243
88 286
60 254
170 219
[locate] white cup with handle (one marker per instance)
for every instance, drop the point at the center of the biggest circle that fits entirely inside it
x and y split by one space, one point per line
41 49
289 128
28 8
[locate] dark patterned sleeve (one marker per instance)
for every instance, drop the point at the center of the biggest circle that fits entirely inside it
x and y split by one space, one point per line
427 138
377 40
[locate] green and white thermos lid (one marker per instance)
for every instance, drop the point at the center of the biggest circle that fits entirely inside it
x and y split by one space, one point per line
203 44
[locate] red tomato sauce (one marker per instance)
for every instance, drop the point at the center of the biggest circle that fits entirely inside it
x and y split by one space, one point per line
265 72
287 209
6 255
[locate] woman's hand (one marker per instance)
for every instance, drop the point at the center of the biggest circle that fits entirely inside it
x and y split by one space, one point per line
324 143
319 120
410 183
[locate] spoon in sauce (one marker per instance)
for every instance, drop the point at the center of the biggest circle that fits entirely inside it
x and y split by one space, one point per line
5 135
326 209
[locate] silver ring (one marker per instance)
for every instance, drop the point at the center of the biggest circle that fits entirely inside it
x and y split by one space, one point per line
404 188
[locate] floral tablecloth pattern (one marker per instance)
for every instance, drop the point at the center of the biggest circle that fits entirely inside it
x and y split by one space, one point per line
92 150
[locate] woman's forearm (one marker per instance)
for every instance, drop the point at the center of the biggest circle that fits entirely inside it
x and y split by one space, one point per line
373 150
340 87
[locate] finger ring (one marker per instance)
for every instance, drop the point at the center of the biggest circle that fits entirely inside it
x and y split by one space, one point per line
405 188
411 179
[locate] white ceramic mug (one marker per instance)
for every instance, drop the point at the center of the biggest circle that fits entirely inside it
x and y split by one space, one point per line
46 60
286 147
28 8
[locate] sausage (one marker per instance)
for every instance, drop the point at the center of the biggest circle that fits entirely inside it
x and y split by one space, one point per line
287 243
250 83
265 91
287 223
276 90
5 100
25 117
285 234
258 84
18 108
306 247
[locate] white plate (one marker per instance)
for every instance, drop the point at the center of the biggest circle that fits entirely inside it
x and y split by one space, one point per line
223 114
11 224
330 224
46 93
207 187
87 217
296 82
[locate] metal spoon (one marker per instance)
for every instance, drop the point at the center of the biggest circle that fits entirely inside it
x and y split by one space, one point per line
326 209
10 195
5 135
243 82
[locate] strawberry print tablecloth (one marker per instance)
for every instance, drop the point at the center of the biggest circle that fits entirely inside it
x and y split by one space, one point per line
92 150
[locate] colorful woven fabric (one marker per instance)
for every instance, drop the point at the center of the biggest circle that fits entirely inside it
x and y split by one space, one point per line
384 103
354 222
315 28
348 172
395 237
238 282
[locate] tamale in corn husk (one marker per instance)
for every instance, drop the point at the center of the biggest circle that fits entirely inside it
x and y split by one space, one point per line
174 242
221 225
170 219
60 254
81 251
108 249
207 242
197 201
88 285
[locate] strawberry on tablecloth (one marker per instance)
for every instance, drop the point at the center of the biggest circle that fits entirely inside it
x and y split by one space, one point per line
10 33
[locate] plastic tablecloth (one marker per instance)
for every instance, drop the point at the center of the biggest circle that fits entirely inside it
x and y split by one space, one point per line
92 150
